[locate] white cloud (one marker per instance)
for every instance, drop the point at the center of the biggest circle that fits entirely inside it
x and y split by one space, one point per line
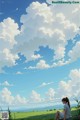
19 100
6 98
53 29
74 53
45 84
8 31
6 83
40 65
35 97
34 57
50 94
44 27
19 73
70 88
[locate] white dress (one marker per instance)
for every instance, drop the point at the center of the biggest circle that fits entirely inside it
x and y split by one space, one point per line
68 113
61 115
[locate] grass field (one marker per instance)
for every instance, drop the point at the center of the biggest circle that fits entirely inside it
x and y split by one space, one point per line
37 115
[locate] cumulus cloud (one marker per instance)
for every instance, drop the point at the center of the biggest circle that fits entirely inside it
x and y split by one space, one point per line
6 98
53 29
71 87
35 97
19 100
8 31
61 63
50 94
74 53
34 57
40 65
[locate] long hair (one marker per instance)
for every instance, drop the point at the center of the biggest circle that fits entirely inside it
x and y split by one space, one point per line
66 100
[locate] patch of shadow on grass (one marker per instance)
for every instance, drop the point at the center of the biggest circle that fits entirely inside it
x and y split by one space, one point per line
39 117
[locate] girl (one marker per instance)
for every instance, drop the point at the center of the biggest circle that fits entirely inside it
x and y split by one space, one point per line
66 114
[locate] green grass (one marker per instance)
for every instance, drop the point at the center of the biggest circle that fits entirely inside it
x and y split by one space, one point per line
37 115
30 115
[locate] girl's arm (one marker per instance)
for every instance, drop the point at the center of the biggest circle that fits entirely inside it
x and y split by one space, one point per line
64 115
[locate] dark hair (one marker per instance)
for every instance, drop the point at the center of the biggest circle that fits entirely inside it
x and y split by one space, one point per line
66 100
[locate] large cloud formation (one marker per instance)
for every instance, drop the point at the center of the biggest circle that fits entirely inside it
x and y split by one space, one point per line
45 25
8 31
42 25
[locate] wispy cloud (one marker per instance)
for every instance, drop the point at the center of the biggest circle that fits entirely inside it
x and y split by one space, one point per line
17 9
45 84
19 73
1 13
6 84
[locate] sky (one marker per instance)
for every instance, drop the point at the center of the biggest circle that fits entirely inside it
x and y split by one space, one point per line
39 53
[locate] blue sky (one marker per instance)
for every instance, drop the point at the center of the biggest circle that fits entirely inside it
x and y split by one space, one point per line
39 49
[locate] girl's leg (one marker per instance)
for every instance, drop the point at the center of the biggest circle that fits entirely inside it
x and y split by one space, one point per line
57 115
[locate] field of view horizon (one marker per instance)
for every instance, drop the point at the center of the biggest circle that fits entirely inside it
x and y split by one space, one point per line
39 54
